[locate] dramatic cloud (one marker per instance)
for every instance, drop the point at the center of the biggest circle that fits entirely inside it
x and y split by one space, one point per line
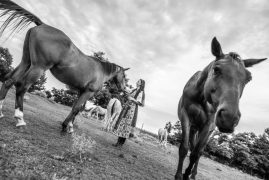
165 42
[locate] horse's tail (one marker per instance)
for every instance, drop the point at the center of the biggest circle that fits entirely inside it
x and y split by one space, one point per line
18 17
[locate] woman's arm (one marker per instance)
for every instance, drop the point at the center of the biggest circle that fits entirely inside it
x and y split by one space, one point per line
130 98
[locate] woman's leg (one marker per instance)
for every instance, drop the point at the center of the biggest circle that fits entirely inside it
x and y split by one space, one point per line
122 140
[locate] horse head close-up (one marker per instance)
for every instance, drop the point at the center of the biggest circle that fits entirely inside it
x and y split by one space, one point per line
226 79
120 78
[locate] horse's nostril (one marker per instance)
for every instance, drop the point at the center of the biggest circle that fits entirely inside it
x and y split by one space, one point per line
221 113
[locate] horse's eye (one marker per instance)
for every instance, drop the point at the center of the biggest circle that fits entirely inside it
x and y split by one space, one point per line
217 70
213 90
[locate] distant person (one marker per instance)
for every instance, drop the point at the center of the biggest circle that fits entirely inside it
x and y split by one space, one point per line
128 116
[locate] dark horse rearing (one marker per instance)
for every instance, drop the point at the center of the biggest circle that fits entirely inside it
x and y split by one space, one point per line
46 47
211 98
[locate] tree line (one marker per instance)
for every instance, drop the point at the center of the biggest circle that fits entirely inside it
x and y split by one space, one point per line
245 151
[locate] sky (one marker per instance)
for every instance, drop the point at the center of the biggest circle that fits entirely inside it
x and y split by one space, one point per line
164 42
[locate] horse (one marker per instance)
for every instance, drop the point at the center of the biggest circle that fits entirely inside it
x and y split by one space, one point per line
162 136
48 48
99 112
113 111
88 107
211 99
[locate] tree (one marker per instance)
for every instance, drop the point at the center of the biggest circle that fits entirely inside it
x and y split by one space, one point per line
65 97
176 137
102 98
48 93
100 55
39 85
5 62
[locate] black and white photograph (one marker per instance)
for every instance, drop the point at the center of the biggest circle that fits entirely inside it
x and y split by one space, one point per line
134 90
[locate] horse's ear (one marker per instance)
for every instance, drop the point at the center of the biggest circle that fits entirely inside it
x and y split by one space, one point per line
216 48
251 62
126 69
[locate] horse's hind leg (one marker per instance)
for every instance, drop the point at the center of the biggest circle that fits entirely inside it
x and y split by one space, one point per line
75 110
3 92
13 76
22 85
11 79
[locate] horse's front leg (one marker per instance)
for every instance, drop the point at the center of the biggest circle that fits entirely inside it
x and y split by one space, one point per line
197 152
184 145
75 110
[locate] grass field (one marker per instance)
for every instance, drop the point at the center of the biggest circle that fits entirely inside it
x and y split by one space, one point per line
40 151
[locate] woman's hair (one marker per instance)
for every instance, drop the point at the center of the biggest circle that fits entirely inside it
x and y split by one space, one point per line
142 86
141 89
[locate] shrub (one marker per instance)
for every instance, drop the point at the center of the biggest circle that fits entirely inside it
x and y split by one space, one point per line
5 63
65 97
82 144
39 85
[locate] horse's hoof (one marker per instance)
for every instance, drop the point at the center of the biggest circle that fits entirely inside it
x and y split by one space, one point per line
178 177
20 123
1 115
192 176
64 127
71 130
63 131
186 177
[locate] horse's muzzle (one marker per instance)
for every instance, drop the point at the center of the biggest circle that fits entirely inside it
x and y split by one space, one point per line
226 120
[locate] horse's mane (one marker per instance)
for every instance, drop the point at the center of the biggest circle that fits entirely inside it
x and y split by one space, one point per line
235 56
107 66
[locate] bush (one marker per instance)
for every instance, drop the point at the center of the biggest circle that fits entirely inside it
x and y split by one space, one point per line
65 97
82 144
40 93
5 63
39 85
244 151
48 94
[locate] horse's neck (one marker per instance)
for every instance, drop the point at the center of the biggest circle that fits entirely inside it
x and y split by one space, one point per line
203 77
109 69
194 89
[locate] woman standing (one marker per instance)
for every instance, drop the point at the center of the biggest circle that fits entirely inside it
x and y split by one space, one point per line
128 116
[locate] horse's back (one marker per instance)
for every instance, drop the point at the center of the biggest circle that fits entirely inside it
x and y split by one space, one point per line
53 49
117 106
52 46
49 43
114 106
